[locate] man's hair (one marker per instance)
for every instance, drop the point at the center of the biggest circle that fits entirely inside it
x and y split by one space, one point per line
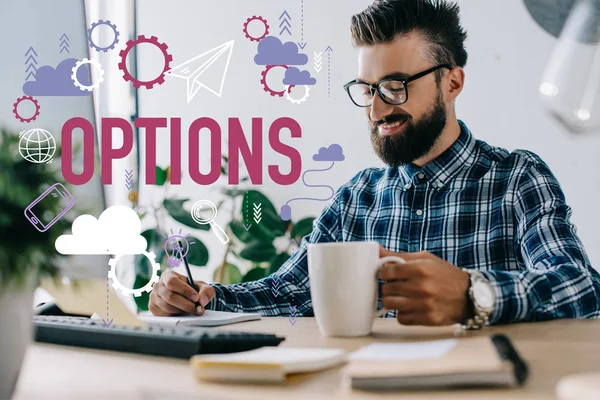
437 20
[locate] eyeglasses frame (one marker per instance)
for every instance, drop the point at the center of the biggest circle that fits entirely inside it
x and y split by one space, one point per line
376 87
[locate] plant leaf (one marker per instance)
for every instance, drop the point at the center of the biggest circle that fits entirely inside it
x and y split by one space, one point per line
258 252
154 239
302 228
161 176
255 274
231 275
175 209
240 232
271 221
277 262
198 252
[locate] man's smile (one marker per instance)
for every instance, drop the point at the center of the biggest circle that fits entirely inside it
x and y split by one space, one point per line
388 129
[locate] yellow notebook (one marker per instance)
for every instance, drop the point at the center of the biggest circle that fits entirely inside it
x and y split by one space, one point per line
267 364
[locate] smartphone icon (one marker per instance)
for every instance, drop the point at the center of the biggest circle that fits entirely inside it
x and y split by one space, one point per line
40 213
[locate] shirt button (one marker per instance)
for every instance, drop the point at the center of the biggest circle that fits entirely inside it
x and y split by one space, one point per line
407 186
421 175
419 212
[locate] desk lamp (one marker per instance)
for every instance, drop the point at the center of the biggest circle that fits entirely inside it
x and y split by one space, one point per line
570 86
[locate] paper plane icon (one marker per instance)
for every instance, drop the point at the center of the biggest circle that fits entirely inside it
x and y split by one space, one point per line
193 69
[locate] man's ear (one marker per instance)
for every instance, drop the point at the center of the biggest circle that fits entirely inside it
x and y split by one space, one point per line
455 80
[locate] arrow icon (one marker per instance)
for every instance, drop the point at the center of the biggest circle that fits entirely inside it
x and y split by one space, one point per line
247 227
31 59
317 61
277 283
107 321
302 44
293 315
257 212
32 50
284 18
64 43
329 50
129 179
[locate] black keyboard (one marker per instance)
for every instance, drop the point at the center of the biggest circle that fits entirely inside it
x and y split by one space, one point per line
159 341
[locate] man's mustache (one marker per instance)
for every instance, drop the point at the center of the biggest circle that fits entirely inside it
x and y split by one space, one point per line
390 119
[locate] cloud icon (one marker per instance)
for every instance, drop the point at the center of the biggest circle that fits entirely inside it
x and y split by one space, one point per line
272 52
293 76
116 231
331 153
57 82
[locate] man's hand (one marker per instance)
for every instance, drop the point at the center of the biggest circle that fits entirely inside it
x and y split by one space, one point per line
172 295
426 290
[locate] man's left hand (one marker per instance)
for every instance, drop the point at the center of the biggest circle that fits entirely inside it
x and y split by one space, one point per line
426 290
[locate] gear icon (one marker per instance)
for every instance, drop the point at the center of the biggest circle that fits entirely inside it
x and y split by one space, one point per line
300 100
256 18
266 86
16 106
111 26
94 64
128 291
123 64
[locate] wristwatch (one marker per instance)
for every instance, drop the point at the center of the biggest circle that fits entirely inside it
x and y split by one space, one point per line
483 299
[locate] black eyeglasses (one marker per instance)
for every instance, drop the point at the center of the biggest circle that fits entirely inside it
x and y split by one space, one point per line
392 91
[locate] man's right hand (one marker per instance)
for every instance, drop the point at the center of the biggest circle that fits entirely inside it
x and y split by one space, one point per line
173 295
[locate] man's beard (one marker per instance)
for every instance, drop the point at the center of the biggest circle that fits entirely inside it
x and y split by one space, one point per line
416 139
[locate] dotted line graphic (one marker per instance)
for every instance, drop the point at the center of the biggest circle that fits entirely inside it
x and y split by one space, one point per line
107 321
302 21
329 74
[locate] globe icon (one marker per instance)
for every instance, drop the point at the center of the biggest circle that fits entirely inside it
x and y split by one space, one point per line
37 146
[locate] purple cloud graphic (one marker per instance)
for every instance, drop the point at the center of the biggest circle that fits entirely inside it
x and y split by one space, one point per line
272 52
293 76
57 82
332 153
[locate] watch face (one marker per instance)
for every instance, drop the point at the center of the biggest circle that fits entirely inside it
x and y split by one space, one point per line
484 295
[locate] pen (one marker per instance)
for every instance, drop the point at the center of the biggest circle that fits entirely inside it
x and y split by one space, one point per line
188 271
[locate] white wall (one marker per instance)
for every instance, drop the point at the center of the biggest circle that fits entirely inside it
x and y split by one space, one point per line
500 103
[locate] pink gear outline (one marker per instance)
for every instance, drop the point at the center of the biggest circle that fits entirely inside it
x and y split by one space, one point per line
256 18
266 86
35 103
123 64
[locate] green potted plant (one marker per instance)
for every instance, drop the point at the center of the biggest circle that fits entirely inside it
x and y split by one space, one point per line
26 255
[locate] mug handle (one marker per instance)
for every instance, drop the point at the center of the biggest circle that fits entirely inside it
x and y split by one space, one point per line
378 265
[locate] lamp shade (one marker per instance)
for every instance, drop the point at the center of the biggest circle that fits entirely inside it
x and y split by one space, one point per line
570 85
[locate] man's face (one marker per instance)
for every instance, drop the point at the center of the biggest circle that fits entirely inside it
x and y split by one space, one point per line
403 133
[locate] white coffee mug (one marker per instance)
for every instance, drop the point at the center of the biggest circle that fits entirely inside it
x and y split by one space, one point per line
344 286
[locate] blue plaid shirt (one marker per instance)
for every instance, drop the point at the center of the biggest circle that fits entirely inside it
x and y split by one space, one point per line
476 206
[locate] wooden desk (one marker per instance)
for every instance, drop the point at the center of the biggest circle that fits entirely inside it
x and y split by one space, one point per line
552 349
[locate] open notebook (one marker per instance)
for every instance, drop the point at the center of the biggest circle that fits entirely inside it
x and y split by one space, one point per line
477 361
210 318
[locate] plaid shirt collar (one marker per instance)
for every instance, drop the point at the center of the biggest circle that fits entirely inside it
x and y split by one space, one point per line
455 160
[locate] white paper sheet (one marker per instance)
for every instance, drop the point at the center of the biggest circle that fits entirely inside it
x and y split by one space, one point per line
210 318
403 351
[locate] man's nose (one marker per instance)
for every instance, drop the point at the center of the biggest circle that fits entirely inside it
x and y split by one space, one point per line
379 108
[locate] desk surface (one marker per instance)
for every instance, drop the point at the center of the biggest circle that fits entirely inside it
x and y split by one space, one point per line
552 349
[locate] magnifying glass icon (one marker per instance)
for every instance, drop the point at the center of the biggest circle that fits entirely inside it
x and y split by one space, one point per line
204 212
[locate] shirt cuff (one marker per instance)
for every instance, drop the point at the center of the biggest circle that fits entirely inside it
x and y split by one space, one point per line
512 302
